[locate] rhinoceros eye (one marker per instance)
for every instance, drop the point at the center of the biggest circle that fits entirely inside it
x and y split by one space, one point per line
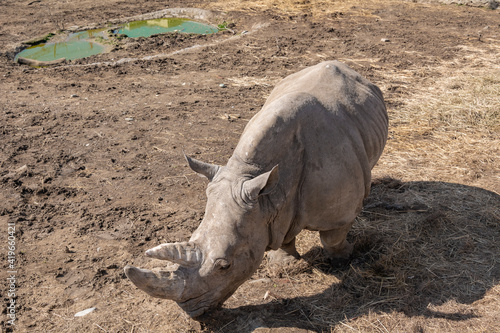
222 264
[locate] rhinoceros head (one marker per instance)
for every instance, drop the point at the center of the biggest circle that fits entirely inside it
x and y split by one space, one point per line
223 252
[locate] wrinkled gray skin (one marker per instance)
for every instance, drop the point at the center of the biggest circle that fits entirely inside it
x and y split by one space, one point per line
303 162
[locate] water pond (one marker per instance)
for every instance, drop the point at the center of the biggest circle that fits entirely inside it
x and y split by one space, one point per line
84 44
76 46
148 28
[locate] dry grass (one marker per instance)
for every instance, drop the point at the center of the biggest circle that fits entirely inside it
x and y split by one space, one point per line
447 126
461 102
426 259
317 9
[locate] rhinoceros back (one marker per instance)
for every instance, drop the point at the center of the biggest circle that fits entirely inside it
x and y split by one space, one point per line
345 93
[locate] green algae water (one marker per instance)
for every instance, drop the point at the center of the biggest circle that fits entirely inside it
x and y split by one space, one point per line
148 28
83 44
67 50
77 45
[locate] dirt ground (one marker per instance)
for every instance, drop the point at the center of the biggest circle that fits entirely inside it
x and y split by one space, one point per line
92 172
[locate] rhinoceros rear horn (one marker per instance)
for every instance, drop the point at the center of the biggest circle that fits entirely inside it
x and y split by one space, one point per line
164 284
205 169
185 254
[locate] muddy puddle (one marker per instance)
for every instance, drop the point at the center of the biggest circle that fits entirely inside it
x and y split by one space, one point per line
86 43
76 46
147 28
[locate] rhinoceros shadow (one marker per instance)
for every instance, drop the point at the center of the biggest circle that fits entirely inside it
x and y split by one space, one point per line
421 249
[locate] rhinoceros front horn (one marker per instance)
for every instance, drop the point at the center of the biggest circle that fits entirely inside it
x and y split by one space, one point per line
185 254
164 284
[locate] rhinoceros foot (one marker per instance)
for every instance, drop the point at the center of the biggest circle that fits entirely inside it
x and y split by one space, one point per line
340 255
285 255
281 257
337 247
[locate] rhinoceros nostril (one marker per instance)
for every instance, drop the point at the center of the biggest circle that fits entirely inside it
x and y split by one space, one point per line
222 264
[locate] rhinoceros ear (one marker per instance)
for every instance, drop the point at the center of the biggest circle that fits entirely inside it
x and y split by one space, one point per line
205 169
262 184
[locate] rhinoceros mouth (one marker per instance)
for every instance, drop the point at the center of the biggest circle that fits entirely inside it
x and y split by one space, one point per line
197 306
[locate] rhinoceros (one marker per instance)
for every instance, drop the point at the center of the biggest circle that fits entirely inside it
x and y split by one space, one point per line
303 162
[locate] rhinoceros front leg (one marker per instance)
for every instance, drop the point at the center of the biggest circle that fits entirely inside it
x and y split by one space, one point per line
335 243
287 253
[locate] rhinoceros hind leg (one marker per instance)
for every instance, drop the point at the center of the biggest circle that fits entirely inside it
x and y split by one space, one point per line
335 243
287 253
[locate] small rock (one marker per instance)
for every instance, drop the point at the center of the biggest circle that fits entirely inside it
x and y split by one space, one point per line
264 280
18 173
74 96
22 170
129 119
222 85
231 117
84 312
385 40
